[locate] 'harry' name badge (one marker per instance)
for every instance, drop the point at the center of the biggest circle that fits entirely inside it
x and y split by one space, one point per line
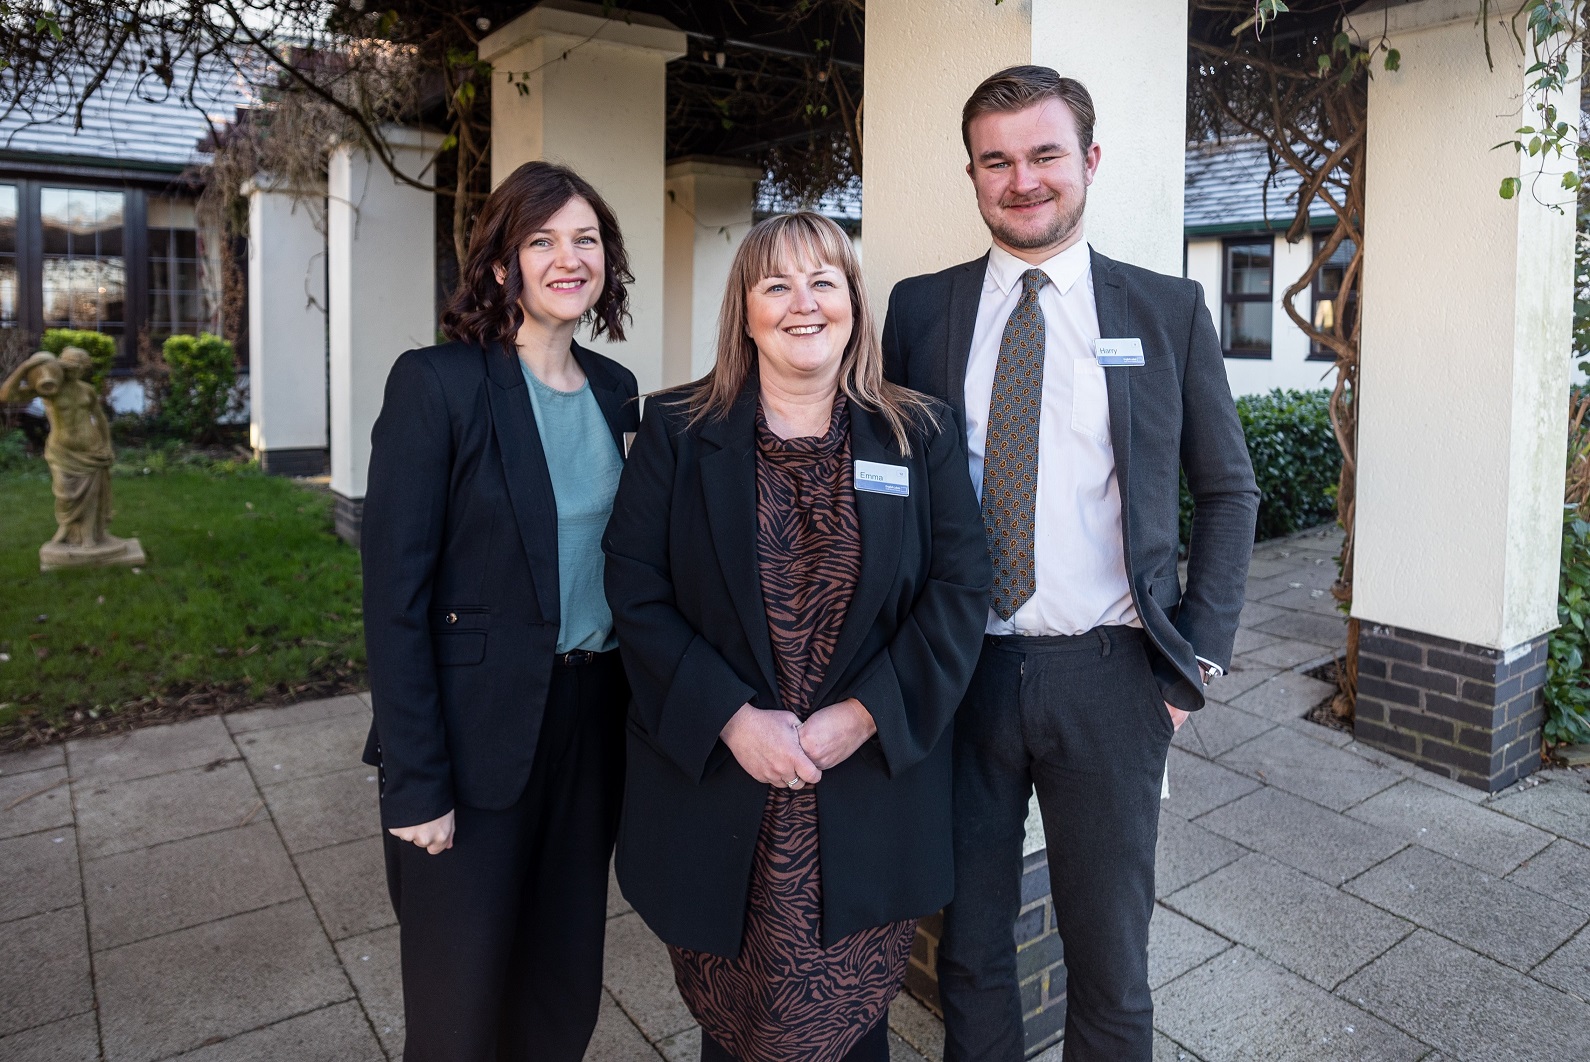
876 478
1110 352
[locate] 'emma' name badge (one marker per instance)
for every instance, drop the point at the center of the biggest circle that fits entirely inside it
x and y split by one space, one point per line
883 479
1118 351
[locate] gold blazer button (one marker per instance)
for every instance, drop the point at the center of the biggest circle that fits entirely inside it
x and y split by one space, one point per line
452 617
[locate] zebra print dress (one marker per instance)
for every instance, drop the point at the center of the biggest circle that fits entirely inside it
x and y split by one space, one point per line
785 998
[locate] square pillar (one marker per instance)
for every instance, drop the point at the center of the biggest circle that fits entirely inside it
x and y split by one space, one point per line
574 86
1462 423
709 208
381 269
287 327
924 59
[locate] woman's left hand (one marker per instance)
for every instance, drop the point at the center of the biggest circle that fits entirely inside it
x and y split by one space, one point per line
829 735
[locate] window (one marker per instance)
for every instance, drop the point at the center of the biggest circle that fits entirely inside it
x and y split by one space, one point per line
84 272
182 297
1327 296
1246 311
9 273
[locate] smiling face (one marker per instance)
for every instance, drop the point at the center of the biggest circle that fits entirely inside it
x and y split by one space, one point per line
561 266
800 319
1031 177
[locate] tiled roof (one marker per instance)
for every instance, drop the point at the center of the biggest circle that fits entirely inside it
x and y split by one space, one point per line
131 119
1229 185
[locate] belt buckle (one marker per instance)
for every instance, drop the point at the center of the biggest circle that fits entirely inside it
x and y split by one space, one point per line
577 657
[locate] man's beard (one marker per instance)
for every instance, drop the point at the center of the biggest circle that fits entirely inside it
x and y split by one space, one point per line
1064 224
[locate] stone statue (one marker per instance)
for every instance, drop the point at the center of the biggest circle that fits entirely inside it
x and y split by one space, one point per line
79 455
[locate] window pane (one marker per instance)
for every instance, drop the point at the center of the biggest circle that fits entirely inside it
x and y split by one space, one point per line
8 291
8 218
52 212
185 243
1248 268
1247 326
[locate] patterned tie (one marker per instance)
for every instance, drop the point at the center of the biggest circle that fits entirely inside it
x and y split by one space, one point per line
1010 461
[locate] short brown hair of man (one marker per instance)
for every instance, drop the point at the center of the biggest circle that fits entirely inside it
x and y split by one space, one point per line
1016 88
485 311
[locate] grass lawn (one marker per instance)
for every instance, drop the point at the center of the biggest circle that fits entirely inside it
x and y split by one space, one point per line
247 594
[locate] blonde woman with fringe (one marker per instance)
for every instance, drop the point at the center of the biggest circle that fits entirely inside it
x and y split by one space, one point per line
798 579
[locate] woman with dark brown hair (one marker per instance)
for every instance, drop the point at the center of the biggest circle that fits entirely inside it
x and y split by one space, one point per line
498 694
799 580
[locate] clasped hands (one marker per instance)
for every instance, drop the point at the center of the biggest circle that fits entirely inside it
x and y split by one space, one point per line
777 748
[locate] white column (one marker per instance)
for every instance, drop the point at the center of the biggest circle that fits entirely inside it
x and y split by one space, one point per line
923 60
381 256
1466 333
287 326
575 87
708 211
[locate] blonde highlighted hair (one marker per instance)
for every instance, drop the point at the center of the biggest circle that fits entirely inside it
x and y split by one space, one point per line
772 247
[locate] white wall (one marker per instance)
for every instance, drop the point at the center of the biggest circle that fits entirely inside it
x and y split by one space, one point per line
708 210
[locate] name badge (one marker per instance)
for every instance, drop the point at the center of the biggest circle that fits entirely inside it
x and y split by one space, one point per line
1110 352
875 478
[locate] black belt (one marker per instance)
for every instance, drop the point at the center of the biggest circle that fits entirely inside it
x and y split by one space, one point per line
575 658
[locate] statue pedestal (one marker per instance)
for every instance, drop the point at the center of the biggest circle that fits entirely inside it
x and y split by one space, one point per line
126 551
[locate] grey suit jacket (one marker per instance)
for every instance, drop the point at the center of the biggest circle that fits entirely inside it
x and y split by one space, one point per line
1172 414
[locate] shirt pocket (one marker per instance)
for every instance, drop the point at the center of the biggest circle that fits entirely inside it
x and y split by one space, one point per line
1090 400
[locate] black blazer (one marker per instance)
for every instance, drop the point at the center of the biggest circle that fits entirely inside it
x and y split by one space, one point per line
460 545
687 603
1171 414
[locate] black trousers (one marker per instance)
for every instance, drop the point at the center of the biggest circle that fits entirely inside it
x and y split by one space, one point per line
501 935
1081 720
874 1047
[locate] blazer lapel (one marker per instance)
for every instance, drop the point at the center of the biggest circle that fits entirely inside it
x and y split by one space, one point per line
882 516
1115 322
524 464
966 291
728 485
610 398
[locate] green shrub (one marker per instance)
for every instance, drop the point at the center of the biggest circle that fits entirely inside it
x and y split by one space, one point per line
198 390
14 456
1567 686
1295 460
101 348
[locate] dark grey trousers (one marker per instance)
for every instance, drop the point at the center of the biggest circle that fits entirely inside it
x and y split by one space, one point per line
1081 720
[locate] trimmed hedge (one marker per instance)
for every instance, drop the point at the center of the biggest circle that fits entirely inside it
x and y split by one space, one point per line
101 348
1295 460
1567 685
198 388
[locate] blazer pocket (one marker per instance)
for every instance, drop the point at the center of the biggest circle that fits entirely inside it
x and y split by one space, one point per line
458 648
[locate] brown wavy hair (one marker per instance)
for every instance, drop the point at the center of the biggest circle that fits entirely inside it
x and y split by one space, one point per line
484 312
1016 88
770 248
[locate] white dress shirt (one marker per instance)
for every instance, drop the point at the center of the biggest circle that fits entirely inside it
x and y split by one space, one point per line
1080 559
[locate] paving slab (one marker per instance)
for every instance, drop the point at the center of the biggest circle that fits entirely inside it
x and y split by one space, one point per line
1248 640
1459 829
45 974
1294 761
1176 945
1268 567
40 873
1562 808
1284 697
1568 968
287 753
1422 775
1241 1007
1167 1050
32 760
1286 653
338 1033
616 904
1198 785
1186 853
918 1026
1561 871
329 809
144 893
1504 921
685 1046
900 1051
373 964
1468 1006
117 817
616 1036
150 751
293 714
637 972
1310 928
180 991
37 800
1216 729
1329 632
347 884
1305 599
1301 834
74 1039
1239 679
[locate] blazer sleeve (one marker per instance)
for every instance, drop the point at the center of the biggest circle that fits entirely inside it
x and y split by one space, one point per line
914 685
1214 455
893 355
405 512
684 691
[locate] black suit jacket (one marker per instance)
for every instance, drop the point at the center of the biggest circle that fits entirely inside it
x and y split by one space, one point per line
1171 414
687 603
460 546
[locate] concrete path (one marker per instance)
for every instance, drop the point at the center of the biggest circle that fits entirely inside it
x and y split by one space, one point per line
213 890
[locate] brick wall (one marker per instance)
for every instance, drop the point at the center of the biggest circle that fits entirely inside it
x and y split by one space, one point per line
1465 711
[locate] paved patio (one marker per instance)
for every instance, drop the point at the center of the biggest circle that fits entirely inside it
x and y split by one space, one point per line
213 890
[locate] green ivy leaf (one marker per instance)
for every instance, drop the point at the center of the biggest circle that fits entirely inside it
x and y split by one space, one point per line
1509 187
1393 59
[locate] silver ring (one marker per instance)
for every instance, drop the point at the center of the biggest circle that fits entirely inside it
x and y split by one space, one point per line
795 783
